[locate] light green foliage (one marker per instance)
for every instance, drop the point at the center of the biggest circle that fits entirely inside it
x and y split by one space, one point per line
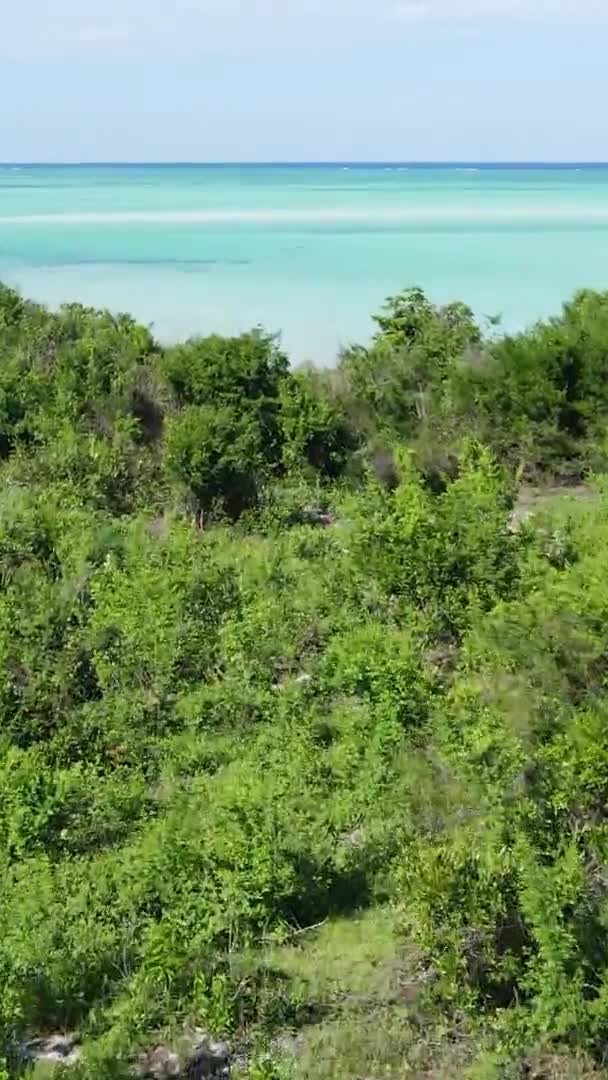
511 895
300 740
450 554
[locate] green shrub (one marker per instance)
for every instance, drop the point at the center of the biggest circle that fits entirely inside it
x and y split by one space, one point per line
356 685
217 454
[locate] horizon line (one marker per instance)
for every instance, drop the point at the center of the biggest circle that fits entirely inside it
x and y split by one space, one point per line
354 162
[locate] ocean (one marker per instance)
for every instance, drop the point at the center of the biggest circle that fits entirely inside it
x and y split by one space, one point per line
309 251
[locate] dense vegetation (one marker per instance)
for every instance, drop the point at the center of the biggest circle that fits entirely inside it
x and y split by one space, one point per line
302 741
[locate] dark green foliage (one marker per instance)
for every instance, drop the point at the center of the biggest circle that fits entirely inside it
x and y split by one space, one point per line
442 333
541 397
316 431
244 375
77 403
218 454
399 378
249 368
227 436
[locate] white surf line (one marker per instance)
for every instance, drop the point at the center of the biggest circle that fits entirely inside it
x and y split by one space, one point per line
322 216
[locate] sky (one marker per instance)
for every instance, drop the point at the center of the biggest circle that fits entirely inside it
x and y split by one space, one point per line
281 80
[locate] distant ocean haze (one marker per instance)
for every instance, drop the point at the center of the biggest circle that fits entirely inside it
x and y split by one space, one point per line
306 250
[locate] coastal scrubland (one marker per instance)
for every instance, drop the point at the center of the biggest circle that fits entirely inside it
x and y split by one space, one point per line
304 696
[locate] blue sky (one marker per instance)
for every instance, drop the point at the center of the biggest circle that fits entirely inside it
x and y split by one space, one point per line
303 80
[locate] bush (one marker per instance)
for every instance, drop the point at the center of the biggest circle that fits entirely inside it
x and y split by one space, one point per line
316 431
356 686
509 899
216 453
398 381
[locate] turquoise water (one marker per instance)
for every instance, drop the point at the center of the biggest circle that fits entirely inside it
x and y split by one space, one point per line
310 250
